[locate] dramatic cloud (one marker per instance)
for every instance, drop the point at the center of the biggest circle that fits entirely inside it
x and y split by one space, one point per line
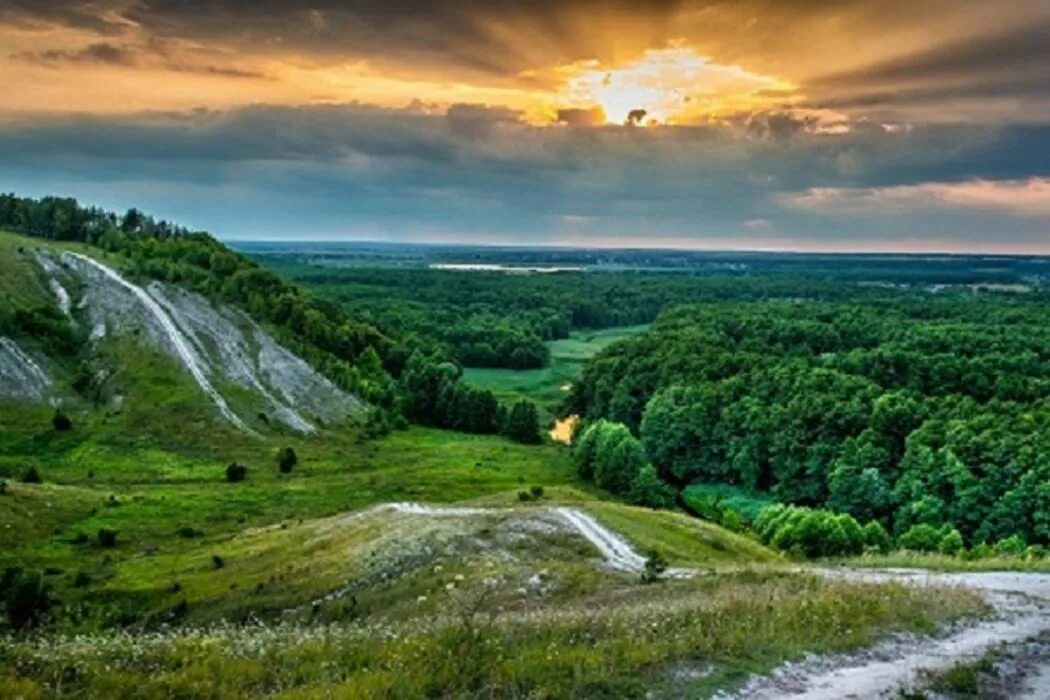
1027 198
828 124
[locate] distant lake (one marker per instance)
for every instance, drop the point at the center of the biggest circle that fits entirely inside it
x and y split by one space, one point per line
496 267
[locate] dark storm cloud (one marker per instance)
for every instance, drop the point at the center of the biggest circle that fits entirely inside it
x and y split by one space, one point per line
402 173
101 52
78 14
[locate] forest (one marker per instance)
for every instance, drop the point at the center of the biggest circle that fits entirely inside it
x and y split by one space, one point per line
501 319
910 411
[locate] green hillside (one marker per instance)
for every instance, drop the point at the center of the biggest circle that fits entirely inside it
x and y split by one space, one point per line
177 479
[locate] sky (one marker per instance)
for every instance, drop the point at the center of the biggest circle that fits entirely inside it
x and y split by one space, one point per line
831 125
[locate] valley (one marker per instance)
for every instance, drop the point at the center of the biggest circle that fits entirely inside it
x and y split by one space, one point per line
217 483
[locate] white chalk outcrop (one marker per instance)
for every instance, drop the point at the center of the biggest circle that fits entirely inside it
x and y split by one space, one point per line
21 377
236 364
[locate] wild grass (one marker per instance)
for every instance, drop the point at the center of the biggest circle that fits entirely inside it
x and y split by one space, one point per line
673 639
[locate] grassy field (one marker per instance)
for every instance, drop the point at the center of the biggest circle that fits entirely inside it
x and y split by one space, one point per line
547 386
676 639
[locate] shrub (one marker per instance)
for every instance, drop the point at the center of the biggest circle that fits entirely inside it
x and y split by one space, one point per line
26 598
536 492
217 561
287 460
61 422
82 580
31 476
809 532
236 472
876 538
655 566
524 496
3 487
1012 546
107 538
921 538
731 520
188 532
951 543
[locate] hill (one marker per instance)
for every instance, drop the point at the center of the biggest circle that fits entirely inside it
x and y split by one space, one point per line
84 334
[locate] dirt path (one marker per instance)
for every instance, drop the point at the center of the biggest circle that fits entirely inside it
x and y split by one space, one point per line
1022 605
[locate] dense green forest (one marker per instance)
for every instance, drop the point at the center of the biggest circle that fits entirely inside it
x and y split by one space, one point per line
912 410
500 319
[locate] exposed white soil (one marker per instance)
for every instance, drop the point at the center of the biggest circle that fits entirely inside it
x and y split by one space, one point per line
616 553
21 378
61 296
220 347
175 339
1022 610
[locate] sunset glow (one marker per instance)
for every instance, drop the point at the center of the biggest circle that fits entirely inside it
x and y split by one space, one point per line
831 124
670 85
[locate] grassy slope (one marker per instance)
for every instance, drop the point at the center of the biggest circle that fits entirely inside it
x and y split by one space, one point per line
546 386
159 466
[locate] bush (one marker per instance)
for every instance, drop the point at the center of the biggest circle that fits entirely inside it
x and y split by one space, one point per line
82 580
236 472
61 422
31 476
524 496
188 532
3 487
217 561
921 538
731 520
107 538
951 543
536 492
26 598
1012 546
876 538
287 460
809 532
655 566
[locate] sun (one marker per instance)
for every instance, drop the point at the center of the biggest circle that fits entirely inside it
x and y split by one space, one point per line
665 86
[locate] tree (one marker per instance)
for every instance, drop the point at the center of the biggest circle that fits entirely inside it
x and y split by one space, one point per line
236 472
856 486
648 490
618 459
27 598
655 566
107 538
287 459
585 448
61 422
523 423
